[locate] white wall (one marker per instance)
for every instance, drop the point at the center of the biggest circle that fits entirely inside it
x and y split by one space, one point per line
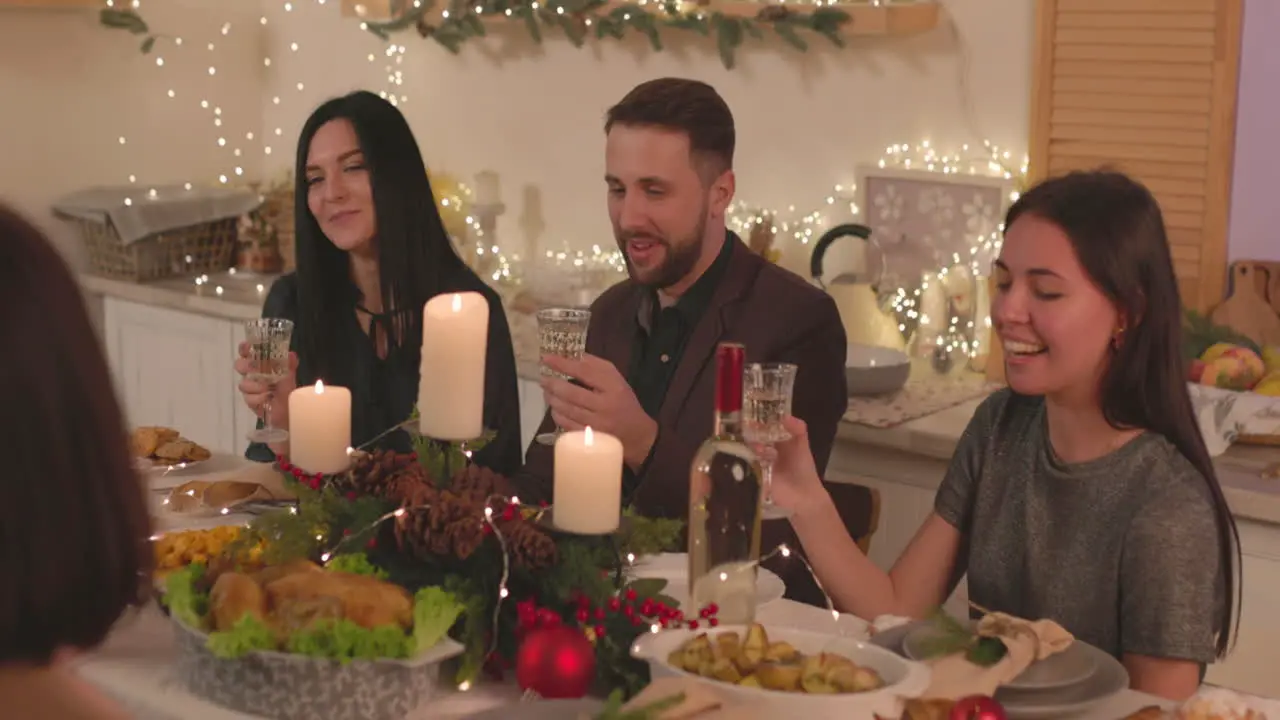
69 89
531 113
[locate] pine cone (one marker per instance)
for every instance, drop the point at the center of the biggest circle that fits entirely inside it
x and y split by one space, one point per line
378 472
412 491
414 532
478 483
528 546
465 536
450 527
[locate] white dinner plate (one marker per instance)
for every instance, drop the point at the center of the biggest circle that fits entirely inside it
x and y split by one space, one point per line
674 568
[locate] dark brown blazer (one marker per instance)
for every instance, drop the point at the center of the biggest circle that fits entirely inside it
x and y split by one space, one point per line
779 317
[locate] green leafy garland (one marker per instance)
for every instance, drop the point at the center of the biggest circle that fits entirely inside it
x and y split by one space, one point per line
579 19
326 523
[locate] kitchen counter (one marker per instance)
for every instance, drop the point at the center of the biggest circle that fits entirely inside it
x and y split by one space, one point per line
1250 495
231 296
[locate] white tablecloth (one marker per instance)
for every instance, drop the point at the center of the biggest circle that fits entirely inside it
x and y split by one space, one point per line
135 665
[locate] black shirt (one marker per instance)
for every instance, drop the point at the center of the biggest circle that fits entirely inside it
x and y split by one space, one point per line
661 337
385 390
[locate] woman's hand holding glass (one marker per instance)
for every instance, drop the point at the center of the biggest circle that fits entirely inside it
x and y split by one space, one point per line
257 393
796 485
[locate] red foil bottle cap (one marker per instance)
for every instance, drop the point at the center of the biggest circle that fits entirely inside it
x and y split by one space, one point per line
730 363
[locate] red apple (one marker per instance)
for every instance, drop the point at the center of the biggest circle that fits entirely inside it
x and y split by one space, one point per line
1196 370
977 707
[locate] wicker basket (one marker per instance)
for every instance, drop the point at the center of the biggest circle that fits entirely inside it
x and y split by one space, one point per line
193 250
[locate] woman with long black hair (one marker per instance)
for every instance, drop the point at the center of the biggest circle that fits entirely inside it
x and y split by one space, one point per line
371 250
1083 492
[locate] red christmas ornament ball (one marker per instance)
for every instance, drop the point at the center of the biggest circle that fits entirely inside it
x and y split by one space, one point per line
556 662
977 707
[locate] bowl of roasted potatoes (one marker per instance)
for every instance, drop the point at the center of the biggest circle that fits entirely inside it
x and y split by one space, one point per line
817 674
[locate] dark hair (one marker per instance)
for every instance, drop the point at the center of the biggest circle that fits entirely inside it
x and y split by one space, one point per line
74 525
689 106
1118 233
416 259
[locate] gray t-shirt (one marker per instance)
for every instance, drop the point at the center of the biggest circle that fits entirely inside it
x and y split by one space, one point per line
1122 551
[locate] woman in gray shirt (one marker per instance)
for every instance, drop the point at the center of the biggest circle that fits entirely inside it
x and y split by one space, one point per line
1083 492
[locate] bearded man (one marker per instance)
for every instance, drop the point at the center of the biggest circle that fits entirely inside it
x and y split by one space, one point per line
648 376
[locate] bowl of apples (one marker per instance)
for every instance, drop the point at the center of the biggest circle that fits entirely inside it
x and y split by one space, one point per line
816 675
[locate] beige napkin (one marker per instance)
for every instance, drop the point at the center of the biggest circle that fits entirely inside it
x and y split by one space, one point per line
1027 641
701 701
252 485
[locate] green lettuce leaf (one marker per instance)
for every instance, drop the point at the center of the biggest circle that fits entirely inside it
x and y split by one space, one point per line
435 610
343 640
356 564
183 597
249 634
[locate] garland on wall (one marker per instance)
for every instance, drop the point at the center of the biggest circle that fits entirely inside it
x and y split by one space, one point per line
463 20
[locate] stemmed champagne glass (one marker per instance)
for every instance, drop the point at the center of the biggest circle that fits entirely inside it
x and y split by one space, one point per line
268 340
562 332
766 400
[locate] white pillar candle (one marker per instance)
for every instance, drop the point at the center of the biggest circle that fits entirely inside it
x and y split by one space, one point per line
588 482
455 335
320 428
488 191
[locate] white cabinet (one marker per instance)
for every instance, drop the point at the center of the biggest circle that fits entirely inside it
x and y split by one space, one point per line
175 369
1252 665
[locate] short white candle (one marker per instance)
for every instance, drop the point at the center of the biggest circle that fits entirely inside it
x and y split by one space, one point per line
320 428
588 482
488 190
455 335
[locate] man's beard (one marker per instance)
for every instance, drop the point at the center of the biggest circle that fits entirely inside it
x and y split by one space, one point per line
680 257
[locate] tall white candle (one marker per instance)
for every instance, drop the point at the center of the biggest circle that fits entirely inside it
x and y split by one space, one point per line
455 335
320 428
588 482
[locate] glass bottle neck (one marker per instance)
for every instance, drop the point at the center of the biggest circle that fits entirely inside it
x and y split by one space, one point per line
728 423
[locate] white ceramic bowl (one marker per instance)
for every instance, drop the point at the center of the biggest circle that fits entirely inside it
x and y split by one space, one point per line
903 679
875 370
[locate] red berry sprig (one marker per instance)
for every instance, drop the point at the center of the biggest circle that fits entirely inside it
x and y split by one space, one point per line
313 481
642 612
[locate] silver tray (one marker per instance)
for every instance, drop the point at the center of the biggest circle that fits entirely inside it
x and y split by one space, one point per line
295 687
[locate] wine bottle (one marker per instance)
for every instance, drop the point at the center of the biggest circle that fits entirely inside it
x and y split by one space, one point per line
725 493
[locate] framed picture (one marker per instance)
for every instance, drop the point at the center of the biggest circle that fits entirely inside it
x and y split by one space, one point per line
938 234
925 221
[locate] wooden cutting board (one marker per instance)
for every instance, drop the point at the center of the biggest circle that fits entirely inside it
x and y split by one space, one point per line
1247 310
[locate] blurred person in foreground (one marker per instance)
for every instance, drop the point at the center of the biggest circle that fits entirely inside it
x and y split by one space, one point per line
74 526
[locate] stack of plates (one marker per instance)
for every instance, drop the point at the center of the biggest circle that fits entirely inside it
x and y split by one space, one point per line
1061 685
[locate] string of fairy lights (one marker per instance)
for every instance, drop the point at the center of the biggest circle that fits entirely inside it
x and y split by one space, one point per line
239 146
486 253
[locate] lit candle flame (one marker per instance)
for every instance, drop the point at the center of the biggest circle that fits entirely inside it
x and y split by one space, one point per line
457 302
319 387
589 440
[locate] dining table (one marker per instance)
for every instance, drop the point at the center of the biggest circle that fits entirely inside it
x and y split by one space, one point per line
136 665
